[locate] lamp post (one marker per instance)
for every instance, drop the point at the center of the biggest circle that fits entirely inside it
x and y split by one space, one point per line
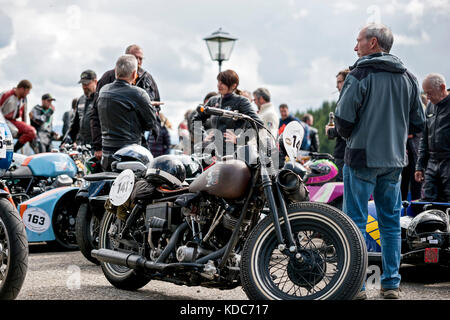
220 44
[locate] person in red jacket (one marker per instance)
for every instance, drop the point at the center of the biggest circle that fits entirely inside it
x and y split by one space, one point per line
13 104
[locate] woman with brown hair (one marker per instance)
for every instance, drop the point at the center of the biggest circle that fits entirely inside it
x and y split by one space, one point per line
230 98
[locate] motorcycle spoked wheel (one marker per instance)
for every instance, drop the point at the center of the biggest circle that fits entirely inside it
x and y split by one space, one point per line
334 257
87 232
64 223
120 277
13 251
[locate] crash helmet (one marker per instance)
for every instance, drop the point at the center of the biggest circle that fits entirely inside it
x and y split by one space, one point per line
322 171
427 228
6 146
166 168
192 165
134 152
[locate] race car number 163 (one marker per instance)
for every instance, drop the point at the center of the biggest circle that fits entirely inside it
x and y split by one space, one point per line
36 220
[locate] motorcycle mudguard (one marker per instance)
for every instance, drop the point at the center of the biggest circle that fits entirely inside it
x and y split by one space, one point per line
37 213
326 193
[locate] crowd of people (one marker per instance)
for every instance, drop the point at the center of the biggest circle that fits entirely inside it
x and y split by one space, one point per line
391 139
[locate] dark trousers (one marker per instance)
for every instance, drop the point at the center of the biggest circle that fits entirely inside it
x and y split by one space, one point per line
340 164
409 183
437 181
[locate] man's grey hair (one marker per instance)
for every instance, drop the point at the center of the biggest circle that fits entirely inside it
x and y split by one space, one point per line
263 93
383 34
132 48
125 66
435 80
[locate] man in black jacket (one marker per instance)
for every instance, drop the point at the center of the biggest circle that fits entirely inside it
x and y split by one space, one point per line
80 127
144 81
433 164
125 111
331 132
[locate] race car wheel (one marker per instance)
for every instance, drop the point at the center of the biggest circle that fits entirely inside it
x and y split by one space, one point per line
63 222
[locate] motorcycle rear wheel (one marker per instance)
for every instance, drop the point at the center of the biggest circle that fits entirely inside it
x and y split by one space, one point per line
13 251
333 251
120 277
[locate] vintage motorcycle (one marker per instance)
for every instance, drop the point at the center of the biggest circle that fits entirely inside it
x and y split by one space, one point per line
13 238
95 189
210 233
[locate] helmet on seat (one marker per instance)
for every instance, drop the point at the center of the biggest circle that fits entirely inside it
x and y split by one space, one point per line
166 169
426 225
192 166
133 152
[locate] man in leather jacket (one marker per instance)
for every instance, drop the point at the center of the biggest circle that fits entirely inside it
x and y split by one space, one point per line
80 127
125 111
144 81
433 165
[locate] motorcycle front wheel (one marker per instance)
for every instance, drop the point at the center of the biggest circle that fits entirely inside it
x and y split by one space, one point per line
119 276
13 251
87 231
333 257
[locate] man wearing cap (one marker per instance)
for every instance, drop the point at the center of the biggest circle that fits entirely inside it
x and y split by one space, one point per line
80 127
41 118
144 80
14 106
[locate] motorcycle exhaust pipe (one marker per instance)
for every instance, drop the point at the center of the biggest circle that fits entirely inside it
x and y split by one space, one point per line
134 261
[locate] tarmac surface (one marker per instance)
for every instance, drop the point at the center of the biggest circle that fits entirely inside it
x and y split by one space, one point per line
54 275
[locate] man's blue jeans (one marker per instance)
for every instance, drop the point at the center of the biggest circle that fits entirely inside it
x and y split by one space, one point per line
384 185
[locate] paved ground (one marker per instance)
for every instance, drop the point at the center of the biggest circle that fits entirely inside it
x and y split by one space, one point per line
68 275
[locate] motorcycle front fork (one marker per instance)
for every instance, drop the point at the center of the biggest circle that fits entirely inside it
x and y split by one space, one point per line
287 246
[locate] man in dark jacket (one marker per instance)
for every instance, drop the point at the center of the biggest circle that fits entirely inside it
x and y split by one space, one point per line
377 108
80 127
286 118
331 132
434 148
144 80
125 111
41 118
313 133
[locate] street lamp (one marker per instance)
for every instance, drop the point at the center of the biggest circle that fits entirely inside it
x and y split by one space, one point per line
220 44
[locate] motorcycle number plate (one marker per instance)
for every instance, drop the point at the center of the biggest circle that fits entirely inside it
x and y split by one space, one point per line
122 187
431 255
292 139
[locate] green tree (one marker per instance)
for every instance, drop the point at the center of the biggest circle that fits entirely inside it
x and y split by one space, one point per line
321 118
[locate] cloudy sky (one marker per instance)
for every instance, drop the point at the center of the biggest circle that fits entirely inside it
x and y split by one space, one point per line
291 47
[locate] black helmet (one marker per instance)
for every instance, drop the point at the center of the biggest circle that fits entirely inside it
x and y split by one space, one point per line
170 164
426 225
192 166
133 152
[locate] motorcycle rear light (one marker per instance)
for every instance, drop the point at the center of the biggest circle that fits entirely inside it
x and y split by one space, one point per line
431 255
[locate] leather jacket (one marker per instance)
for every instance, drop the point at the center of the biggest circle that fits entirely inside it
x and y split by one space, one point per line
125 112
435 142
144 81
231 102
80 127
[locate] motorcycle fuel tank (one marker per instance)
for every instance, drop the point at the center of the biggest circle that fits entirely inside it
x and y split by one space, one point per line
228 180
51 165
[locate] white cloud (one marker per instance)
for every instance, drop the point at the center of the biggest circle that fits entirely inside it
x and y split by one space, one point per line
404 40
344 6
302 13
